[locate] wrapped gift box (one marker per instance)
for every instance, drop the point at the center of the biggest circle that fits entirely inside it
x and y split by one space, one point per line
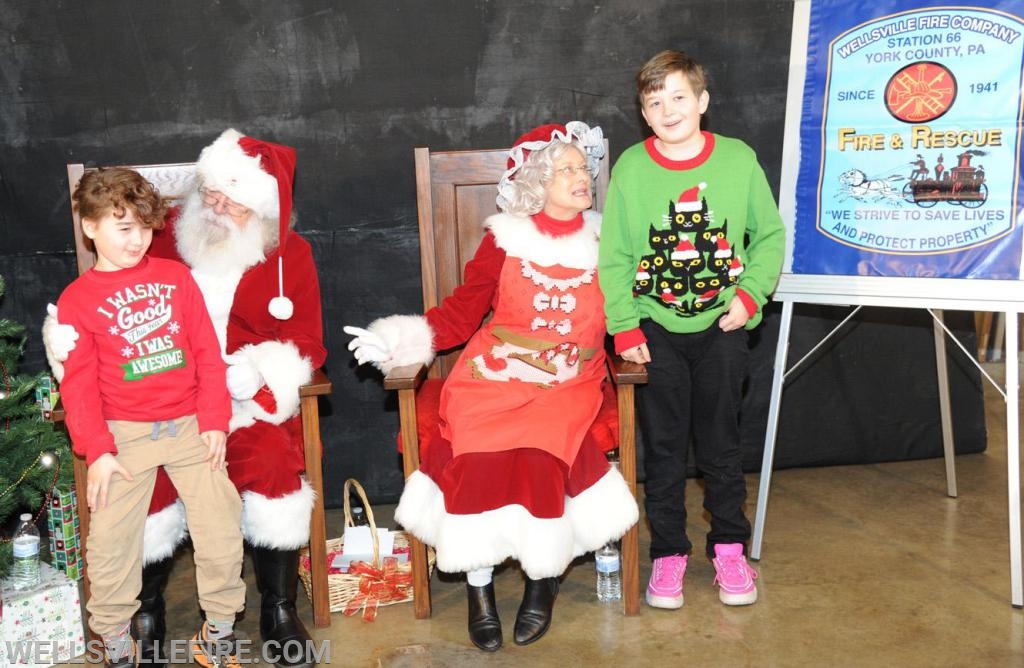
46 396
42 625
65 536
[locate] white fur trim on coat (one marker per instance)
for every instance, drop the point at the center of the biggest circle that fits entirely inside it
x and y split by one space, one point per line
284 370
543 547
409 339
55 345
165 531
281 523
225 167
519 237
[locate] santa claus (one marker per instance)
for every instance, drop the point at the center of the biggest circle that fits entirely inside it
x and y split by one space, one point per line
260 285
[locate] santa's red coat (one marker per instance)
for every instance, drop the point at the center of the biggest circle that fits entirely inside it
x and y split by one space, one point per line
265 454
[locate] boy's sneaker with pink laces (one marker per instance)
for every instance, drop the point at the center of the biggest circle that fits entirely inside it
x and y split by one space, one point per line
665 590
734 576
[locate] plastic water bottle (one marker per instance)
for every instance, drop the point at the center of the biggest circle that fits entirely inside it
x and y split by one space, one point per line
358 512
25 570
609 573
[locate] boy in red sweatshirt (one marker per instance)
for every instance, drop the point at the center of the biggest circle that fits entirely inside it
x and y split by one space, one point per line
146 387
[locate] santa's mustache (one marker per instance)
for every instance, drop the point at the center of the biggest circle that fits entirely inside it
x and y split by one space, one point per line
214 229
205 238
205 226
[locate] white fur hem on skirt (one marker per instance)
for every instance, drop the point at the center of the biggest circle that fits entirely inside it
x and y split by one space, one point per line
543 547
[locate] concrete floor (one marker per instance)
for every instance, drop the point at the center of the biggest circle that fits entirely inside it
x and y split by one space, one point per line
862 566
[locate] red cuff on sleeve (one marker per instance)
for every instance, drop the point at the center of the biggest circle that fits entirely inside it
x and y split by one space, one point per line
748 302
95 453
265 400
629 339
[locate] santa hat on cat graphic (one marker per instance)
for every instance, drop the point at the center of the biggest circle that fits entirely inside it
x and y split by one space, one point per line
258 175
689 199
685 250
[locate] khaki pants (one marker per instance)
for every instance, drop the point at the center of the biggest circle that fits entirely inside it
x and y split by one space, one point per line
213 509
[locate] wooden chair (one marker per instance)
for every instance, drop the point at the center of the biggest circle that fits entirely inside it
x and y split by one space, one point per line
176 181
455 191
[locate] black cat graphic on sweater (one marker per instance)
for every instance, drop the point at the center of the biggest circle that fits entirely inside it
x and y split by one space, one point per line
691 262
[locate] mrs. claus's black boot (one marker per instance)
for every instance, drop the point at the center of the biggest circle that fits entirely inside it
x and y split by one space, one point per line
534 616
277 574
149 626
484 625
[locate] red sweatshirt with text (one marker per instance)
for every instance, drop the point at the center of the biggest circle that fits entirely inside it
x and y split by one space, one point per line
146 352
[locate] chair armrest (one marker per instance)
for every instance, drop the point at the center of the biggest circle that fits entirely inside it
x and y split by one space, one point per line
318 385
57 414
405 377
627 373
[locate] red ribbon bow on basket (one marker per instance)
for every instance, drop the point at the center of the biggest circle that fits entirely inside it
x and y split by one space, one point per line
377 586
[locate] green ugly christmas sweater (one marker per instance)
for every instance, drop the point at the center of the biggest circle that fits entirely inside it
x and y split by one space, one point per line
679 237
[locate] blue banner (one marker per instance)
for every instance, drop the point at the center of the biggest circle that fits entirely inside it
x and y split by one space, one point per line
911 141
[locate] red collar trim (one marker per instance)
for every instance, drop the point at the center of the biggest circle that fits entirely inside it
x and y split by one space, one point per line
695 161
557 228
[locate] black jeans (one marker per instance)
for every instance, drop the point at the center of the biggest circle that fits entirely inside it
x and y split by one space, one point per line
694 386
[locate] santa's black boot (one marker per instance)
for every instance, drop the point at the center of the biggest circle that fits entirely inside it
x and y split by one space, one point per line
148 624
277 574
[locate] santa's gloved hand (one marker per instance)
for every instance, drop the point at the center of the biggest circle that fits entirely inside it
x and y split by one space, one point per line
368 347
244 380
59 340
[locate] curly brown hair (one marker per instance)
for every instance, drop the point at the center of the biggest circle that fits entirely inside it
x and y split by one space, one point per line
652 75
119 190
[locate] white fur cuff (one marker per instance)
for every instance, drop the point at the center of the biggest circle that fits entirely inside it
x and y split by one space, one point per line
409 339
284 370
165 531
281 523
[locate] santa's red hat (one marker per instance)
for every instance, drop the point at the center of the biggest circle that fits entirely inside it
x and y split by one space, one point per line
689 199
590 138
259 175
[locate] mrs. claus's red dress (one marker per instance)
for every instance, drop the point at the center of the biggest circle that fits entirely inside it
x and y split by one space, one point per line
512 469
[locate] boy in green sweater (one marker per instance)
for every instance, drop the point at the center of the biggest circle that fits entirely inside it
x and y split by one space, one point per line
691 247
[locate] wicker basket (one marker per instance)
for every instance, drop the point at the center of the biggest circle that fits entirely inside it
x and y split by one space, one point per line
345 589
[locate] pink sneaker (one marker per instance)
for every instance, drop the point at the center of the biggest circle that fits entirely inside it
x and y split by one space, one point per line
734 576
665 590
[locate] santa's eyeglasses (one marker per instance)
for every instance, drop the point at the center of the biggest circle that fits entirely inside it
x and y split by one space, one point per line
212 198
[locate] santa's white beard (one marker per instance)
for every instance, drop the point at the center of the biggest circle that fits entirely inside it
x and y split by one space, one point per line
215 243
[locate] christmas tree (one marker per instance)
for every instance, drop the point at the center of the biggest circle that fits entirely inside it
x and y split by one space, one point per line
34 455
